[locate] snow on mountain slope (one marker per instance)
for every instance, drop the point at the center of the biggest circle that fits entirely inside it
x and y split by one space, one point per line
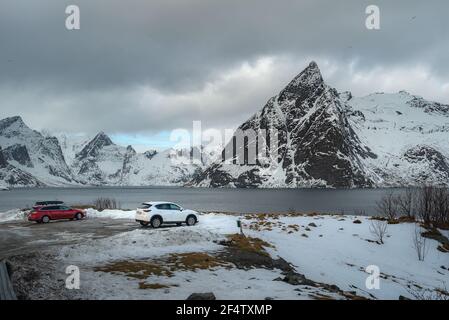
32 155
409 135
71 145
102 162
164 168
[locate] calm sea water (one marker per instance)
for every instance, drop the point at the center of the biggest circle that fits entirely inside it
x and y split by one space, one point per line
355 201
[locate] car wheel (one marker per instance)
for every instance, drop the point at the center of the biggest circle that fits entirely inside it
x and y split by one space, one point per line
78 216
45 219
191 220
144 223
156 222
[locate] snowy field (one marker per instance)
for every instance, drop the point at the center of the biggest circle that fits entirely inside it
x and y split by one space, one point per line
148 263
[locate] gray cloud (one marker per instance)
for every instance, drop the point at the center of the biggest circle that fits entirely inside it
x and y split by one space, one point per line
156 65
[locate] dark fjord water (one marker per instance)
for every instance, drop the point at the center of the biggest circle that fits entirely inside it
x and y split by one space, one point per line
353 201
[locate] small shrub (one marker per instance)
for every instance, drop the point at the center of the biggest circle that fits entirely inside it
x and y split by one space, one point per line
379 229
387 206
105 203
420 244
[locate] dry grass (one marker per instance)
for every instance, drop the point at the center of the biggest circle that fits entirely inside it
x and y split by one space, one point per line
320 296
165 266
193 261
136 269
154 286
248 244
443 248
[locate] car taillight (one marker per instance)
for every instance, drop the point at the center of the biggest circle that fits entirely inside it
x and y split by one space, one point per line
146 210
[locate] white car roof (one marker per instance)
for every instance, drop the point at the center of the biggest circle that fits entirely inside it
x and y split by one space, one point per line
153 203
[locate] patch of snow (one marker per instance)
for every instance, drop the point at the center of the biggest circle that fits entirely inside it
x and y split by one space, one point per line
141 243
12 215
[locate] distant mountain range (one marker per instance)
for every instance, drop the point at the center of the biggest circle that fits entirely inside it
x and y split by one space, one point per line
326 139
30 159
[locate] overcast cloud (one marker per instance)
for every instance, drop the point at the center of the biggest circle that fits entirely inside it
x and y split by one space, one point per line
138 67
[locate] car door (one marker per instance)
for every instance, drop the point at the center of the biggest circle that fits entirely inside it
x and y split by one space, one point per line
66 212
177 212
166 212
49 211
57 213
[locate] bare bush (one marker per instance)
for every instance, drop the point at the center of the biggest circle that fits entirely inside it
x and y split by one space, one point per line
426 204
440 214
105 203
433 205
379 229
360 212
387 205
420 244
406 203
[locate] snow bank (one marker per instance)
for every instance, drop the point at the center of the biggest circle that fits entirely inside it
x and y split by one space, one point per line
111 214
12 215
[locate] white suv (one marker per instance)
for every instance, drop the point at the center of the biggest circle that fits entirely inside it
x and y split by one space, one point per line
157 213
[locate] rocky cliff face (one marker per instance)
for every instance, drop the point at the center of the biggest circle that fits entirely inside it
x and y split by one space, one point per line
12 176
32 153
3 162
317 145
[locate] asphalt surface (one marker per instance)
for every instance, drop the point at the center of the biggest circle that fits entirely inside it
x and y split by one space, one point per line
24 237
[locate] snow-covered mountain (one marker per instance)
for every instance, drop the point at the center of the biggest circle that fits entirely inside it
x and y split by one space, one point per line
331 139
325 139
29 158
33 159
102 162
409 135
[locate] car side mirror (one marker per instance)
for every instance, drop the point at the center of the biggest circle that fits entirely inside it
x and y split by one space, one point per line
182 209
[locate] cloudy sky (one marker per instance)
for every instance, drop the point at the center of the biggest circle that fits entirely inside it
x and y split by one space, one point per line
139 68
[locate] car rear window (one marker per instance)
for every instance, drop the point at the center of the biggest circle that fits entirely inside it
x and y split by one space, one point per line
145 206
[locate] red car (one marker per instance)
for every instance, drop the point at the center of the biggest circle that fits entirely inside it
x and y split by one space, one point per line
57 212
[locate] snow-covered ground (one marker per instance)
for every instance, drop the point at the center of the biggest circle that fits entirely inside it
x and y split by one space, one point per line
337 251
329 249
326 249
